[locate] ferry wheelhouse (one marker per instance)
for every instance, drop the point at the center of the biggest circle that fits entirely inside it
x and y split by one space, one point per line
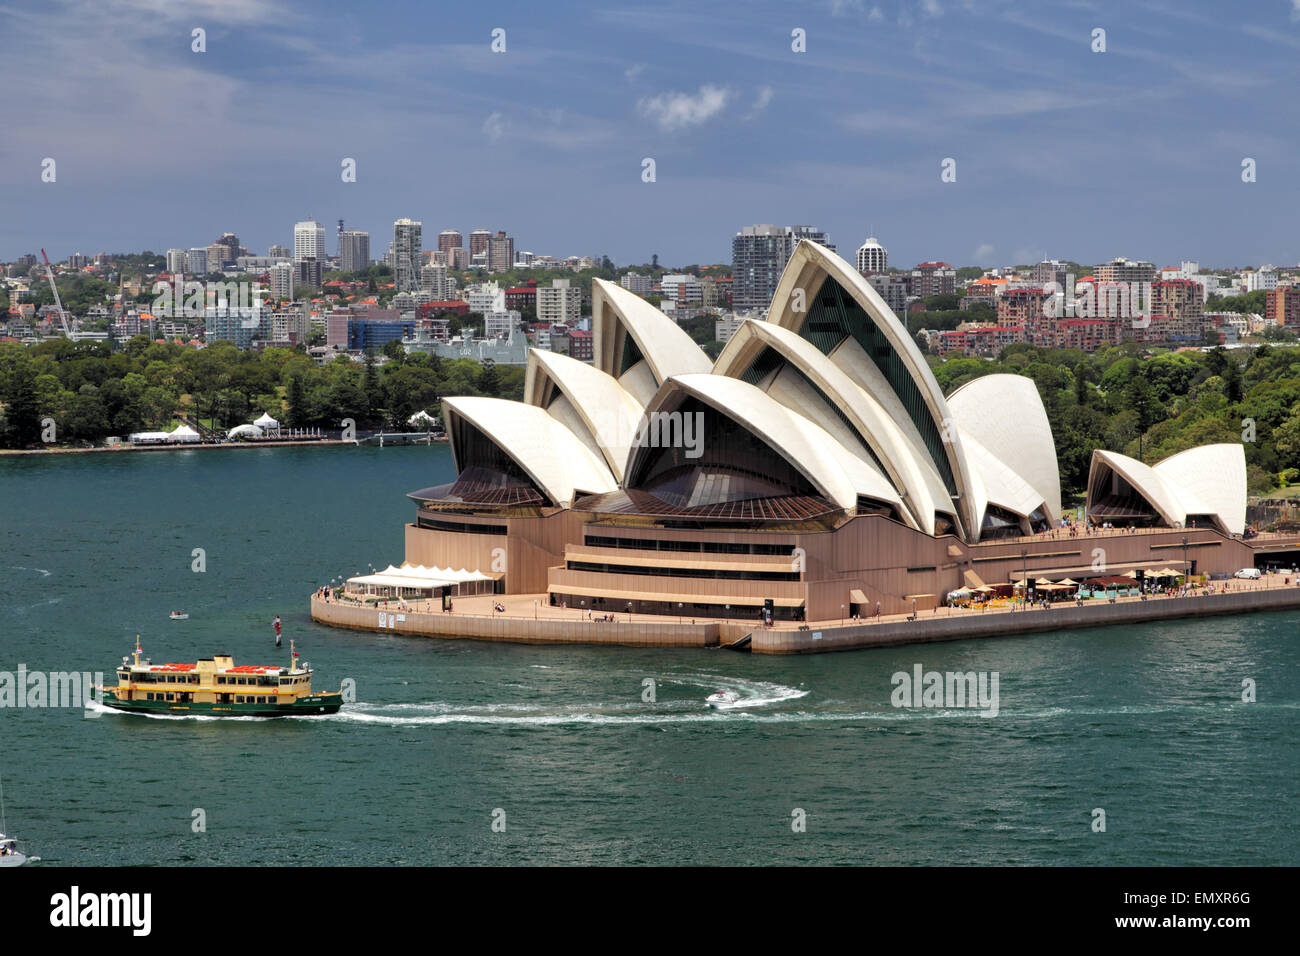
216 686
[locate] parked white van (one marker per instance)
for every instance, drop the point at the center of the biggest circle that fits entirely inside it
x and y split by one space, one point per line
1251 573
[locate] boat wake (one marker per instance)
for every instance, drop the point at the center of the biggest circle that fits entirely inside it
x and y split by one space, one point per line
670 708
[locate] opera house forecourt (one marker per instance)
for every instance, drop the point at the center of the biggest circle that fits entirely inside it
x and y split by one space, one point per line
808 485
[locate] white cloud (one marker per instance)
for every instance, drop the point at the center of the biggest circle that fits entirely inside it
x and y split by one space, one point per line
761 102
931 8
632 72
876 15
842 8
1295 9
674 111
983 253
494 127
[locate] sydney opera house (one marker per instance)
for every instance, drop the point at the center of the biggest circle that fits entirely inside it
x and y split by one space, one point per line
815 469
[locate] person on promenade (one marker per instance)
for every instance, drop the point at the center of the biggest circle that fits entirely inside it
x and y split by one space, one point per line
277 630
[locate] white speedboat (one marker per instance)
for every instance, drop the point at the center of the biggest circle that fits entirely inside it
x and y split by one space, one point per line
10 855
722 698
179 616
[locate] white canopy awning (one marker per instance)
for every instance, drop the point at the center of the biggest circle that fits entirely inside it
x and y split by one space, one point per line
184 433
251 431
418 576
266 421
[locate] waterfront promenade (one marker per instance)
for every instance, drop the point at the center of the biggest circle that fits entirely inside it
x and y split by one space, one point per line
528 618
180 446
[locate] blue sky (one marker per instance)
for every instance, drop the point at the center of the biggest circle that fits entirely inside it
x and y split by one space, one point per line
1060 151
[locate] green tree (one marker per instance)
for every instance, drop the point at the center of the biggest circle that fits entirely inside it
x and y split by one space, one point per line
22 409
489 381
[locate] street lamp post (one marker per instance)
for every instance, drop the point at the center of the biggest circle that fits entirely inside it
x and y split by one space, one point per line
1024 580
841 615
1186 567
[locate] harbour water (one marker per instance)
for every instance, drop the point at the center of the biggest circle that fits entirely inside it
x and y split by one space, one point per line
1146 723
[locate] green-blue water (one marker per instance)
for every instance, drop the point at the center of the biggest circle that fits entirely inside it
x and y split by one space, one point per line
1146 723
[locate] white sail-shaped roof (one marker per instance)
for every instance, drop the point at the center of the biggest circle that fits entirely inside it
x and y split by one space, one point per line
837 474
911 473
588 401
1209 480
664 347
796 298
553 456
1005 415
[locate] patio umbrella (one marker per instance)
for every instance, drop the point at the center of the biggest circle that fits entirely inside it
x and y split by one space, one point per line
1068 582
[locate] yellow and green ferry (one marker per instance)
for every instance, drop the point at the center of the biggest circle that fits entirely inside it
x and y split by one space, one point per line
214 686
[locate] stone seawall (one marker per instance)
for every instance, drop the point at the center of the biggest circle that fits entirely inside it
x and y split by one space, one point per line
974 624
513 628
961 625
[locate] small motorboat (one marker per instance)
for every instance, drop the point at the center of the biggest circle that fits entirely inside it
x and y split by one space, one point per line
10 854
722 698
179 616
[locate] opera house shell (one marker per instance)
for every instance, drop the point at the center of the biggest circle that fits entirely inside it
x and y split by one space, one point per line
815 469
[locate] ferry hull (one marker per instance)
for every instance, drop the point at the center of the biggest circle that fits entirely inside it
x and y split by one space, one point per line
311 706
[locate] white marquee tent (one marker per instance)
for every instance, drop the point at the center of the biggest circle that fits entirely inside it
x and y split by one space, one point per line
414 580
266 421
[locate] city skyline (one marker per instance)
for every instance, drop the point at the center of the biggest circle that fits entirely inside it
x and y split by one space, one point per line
1135 150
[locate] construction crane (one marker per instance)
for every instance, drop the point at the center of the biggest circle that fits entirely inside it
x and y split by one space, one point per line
58 303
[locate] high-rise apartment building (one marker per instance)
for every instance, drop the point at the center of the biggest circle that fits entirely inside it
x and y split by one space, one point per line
478 242
196 261
933 278
1181 301
278 251
281 275
406 254
634 282
559 303
308 241
458 258
1120 269
354 250
176 261
433 279
218 256
758 256
1282 305
501 253
308 273
1048 271
449 239
893 289
234 249
872 257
